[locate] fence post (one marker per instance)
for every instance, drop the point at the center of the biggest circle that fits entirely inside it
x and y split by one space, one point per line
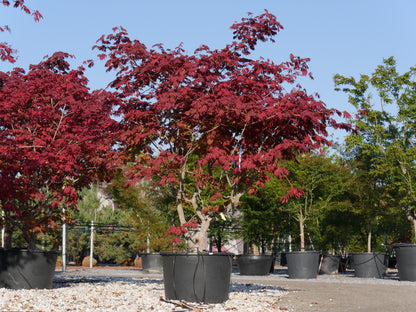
91 243
148 243
63 242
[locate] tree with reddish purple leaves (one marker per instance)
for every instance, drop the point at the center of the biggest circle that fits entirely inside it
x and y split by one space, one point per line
56 137
212 124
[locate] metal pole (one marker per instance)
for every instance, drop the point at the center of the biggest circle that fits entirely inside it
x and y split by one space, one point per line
91 243
63 241
148 243
64 247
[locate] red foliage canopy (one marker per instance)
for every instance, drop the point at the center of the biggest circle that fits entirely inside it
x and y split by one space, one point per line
188 116
55 136
215 103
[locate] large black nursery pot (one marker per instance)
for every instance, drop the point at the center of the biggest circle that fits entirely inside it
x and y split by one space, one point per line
302 264
254 264
370 264
197 277
406 261
27 269
151 262
329 264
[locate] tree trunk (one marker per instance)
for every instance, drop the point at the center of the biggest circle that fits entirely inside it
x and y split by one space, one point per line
414 228
30 239
199 240
255 249
218 241
8 234
370 230
412 218
302 232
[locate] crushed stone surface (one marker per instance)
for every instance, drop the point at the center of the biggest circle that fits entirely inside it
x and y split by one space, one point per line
98 293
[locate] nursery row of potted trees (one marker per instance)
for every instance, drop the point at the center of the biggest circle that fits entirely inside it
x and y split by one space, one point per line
208 127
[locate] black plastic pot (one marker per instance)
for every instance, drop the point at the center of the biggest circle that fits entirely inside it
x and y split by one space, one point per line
254 264
329 264
302 264
197 277
151 262
406 261
27 269
369 264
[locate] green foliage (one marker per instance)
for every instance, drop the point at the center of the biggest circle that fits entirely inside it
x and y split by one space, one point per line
324 181
134 215
92 207
149 210
385 102
223 229
262 221
109 243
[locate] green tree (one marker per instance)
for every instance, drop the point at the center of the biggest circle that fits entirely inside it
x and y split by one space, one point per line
150 210
367 204
223 229
385 103
262 222
323 182
111 243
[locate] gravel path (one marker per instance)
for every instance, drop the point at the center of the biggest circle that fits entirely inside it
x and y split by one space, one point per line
103 289
116 290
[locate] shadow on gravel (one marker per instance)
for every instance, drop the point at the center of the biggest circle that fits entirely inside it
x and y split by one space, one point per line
68 281
249 288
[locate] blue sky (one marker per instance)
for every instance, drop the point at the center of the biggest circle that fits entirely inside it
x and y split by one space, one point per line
346 37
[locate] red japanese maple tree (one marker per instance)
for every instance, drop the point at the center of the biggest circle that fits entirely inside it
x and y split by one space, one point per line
6 51
213 124
55 137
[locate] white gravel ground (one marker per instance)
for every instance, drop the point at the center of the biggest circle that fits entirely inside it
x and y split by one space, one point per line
130 290
72 293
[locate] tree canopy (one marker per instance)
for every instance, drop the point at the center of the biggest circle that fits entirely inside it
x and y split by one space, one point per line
214 123
56 137
386 111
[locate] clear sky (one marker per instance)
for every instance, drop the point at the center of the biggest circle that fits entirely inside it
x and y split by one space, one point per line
346 37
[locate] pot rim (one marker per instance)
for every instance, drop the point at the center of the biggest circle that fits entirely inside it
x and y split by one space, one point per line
398 245
254 256
29 250
368 253
303 252
201 253
148 253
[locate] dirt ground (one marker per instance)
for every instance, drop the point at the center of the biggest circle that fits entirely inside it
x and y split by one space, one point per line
343 293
